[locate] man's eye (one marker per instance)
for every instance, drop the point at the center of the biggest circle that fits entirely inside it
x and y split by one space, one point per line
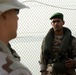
56 21
17 11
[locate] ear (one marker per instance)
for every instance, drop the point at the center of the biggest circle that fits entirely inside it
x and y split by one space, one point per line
51 23
63 22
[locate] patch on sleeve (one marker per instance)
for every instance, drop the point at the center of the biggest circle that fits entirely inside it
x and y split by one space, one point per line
1 49
7 64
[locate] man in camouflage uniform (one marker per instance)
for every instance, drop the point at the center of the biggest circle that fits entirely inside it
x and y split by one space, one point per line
58 54
9 59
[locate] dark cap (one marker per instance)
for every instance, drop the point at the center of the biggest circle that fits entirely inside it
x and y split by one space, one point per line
57 15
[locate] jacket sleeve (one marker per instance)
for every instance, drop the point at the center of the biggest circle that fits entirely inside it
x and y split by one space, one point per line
10 67
74 49
42 61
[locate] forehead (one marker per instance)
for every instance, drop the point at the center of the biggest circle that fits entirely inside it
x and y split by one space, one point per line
55 19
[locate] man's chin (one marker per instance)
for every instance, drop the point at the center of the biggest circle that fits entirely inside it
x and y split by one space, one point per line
58 30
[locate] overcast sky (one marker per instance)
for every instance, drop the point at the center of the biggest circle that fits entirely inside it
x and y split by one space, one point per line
36 19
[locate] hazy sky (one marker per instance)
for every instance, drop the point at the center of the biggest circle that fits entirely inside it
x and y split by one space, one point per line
36 19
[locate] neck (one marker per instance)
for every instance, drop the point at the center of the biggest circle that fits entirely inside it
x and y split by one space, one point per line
58 33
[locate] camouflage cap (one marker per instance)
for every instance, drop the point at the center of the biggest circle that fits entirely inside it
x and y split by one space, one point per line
57 15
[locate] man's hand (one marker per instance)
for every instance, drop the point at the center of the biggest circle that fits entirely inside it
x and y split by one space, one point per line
69 63
44 73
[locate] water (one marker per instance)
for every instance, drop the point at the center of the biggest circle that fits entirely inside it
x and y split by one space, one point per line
28 47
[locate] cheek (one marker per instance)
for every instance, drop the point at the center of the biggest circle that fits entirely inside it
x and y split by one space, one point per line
61 25
14 18
14 23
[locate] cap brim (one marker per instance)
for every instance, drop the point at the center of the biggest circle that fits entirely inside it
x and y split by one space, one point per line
11 5
19 5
